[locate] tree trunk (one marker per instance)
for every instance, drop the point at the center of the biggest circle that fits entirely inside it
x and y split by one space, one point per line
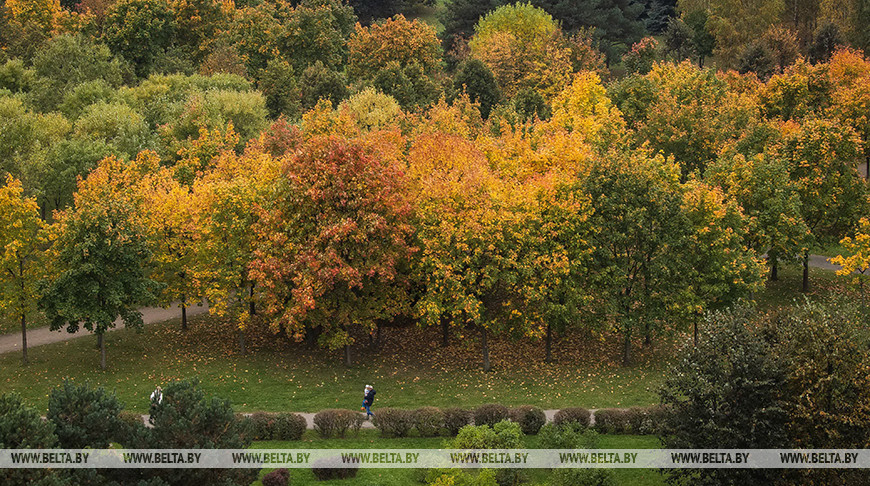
378 337
445 333
805 284
23 338
242 341
626 348
183 315
549 358
774 270
251 309
695 332
347 359
486 366
102 342
647 333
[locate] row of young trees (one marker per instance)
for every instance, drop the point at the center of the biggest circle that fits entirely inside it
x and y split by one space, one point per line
635 209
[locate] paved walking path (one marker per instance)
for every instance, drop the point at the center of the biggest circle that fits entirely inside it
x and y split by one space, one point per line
309 418
44 335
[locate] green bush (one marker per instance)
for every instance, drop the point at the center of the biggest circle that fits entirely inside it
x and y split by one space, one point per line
337 422
582 477
323 471
503 435
22 428
278 477
289 426
490 414
428 421
567 436
577 415
84 416
457 477
456 418
394 422
530 418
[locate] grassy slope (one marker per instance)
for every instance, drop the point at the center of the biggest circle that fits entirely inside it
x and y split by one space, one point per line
402 477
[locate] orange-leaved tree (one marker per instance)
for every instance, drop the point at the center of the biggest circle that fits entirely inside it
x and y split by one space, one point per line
332 236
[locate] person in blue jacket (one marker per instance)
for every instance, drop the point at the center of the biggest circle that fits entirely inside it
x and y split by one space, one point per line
369 399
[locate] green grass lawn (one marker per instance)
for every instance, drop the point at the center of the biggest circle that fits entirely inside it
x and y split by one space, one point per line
368 439
409 370
786 290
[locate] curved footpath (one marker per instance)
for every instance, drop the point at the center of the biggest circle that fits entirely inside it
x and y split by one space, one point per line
44 335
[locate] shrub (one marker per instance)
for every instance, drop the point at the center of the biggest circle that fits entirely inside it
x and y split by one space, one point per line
428 421
337 422
323 472
131 419
490 414
582 477
567 436
289 426
394 422
510 477
22 428
261 425
575 415
612 421
503 435
84 416
456 418
530 418
278 477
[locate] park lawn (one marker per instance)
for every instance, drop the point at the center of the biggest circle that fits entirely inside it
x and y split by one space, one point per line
370 439
787 289
409 370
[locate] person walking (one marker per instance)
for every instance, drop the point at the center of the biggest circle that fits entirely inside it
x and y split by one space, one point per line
156 398
369 399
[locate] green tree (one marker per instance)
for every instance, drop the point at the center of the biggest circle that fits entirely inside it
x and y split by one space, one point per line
617 22
823 157
319 82
100 254
477 80
278 84
640 234
317 30
139 30
20 241
21 427
726 392
85 417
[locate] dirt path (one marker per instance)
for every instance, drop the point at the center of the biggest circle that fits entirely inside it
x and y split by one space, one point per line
43 335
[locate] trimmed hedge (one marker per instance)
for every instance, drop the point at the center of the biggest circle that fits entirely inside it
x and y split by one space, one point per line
323 472
634 420
573 415
530 418
278 477
394 422
428 421
277 426
335 422
490 414
455 418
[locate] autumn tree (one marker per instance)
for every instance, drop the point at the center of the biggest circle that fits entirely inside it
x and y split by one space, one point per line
762 186
101 255
393 40
721 269
477 80
855 260
229 195
20 241
523 47
331 239
823 157
171 219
